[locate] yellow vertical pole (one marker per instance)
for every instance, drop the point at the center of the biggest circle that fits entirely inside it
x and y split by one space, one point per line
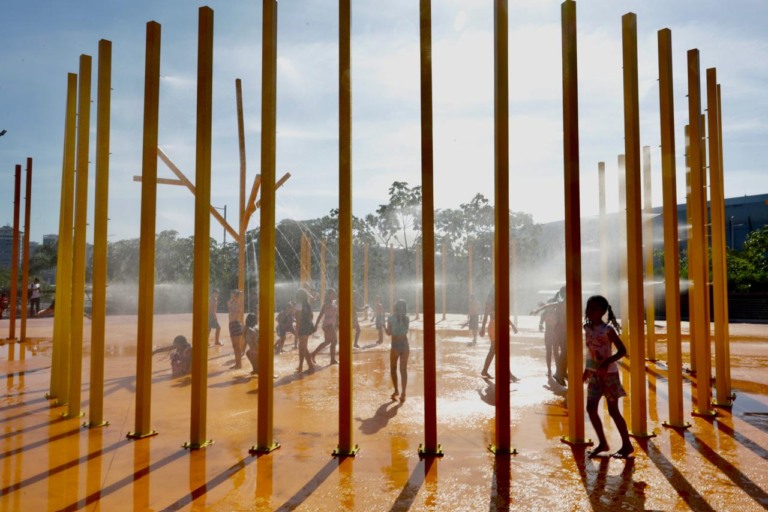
243 220
346 445
264 433
698 266
719 274
391 278
430 448
603 230
573 313
61 317
689 247
671 250
501 235
201 266
622 237
726 333
147 235
322 272
365 273
78 247
634 228
25 258
650 302
100 222
706 238
416 280
15 255
445 279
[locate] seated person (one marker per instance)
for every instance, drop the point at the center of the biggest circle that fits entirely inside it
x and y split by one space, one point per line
181 357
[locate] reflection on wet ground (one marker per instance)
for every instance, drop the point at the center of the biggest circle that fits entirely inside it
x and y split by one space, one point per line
53 463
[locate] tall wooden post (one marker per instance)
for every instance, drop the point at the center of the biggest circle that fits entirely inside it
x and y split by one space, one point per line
604 291
634 228
650 300
346 445
78 247
264 440
15 254
100 222
573 313
719 270
243 224
430 448
201 271
147 235
60 358
671 250
726 333
501 235
25 259
698 267
689 246
622 250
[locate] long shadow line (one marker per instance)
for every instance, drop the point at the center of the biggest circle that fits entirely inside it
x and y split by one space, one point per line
136 475
22 372
737 477
30 428
41 442
62 467
409 492
210 484
26 413
311 486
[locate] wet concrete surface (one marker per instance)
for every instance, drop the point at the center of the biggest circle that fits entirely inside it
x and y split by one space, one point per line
50 463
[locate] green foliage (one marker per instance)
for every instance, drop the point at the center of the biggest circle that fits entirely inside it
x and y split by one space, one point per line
748 267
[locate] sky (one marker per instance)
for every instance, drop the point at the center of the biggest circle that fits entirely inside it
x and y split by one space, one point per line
42 41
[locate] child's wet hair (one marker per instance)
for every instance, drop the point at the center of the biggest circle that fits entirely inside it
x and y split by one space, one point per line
603 304
180 341
251 320
401 306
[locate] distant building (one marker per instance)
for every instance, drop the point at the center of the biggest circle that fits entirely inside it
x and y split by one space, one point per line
6 246
50 240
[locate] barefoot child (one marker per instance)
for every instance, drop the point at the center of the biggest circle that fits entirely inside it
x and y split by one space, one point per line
490 314
285 326
252 342
235 307
304 328
329 315
213 321
602 373
378 318
397 327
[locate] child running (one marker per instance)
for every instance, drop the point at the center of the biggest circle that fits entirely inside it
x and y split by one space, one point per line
378 318
473 318
329 314
490 313
285 326
397 327
305 328
602 373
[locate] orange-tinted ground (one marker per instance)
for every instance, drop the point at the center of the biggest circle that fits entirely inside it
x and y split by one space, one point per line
50 463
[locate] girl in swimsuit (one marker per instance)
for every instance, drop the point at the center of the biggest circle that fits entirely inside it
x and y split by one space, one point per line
397 327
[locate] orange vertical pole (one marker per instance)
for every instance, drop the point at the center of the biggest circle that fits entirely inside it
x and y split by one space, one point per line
60 357
719 271
147 235
573 313
15 254
697 247
79 246
603 230
346 445
243 224
622 249
264 434
100 222
201 266
25 259
671 249
636 347
650 300
726 333
430 448
501 235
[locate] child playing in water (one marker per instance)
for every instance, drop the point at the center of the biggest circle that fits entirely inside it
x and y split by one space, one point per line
285 326
473 318
378 318
213 321
235 307
252 342
490 313
305 328
181 357
329 314
602 373
397 327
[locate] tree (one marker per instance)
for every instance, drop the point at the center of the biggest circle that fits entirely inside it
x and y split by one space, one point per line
398 219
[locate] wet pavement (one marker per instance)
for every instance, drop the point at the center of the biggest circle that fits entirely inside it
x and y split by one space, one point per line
50 463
